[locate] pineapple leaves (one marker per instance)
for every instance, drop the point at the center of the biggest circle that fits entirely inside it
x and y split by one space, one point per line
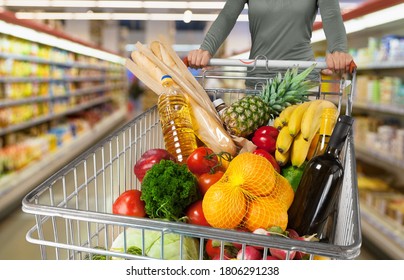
281 92
300 77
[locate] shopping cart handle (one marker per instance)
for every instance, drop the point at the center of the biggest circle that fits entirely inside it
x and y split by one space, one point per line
266 63
352 67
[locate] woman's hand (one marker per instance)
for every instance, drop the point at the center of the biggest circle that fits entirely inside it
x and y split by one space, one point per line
198 58
337 63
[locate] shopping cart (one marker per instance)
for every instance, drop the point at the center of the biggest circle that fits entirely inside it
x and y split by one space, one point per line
73 208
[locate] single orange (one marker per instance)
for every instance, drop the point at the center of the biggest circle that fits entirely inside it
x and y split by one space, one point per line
265 212
283 191
224 206
252 173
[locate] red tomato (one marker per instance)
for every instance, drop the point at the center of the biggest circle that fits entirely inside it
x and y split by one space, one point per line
129 204
202 160
265 142
208 179
269 157
195 214
267 130
212 249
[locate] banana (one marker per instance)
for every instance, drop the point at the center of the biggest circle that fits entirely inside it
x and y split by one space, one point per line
278 123
284 140
299 150
296 118
311 118
285 114
282 159
313 146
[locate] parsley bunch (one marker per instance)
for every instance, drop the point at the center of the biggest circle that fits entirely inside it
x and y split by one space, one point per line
167 189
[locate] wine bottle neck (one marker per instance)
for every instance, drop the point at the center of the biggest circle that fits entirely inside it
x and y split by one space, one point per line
333 151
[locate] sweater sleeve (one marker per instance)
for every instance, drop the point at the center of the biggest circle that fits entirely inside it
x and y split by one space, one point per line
333 25
222 26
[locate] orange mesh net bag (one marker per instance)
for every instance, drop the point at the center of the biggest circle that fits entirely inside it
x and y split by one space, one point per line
251 195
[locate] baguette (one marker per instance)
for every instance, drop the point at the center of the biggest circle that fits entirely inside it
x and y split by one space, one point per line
147 65
144 76
158 49
205 124
203 98
209 131
155 48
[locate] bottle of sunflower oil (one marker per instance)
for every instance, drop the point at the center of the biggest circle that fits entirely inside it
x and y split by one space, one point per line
175 120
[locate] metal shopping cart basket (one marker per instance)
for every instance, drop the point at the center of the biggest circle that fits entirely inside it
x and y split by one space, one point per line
73 208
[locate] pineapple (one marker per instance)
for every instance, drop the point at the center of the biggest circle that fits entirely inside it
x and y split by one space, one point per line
245 115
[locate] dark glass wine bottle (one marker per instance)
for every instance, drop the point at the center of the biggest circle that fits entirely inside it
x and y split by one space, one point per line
313 210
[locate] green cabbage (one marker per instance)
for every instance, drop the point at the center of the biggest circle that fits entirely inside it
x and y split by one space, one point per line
152 244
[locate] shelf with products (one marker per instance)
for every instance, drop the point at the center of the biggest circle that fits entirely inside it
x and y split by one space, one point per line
387 233
74 93
394 109
378 158
381 65
53 116
14 185
66 64
380 140
51 84
382 209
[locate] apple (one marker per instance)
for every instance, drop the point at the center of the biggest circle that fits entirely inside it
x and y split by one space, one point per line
269 157
148 159
267 130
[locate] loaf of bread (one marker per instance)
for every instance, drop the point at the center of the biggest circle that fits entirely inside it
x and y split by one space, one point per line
150 64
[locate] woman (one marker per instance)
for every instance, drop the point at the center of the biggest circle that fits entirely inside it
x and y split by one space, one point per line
280 30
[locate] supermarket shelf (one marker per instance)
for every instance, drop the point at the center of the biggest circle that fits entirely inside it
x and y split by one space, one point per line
381 65
79 92
14 186
392 109
50 80
67 64
376 158
383 232
49 117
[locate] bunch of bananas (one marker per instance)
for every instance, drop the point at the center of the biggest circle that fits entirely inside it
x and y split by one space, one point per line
298 126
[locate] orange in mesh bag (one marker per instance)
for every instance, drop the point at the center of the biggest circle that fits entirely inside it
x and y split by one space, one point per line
250 194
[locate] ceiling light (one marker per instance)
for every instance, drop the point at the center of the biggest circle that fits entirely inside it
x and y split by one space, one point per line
214 5
47 39
176 47
187 16
119 16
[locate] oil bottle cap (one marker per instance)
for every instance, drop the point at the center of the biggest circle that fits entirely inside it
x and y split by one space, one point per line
218 102
165 77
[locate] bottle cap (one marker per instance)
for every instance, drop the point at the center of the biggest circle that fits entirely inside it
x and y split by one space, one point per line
166 77
218 102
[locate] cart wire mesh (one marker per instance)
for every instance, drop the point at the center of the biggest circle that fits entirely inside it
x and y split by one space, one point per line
73 208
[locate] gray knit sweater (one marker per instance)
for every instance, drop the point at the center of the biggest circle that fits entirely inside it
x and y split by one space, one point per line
280 29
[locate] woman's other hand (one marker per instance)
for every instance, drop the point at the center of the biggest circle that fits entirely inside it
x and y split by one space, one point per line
337 63
198 58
